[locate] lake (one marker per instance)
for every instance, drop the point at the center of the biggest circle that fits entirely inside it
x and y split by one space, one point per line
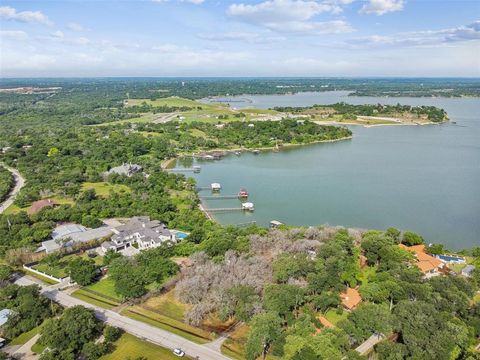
420 178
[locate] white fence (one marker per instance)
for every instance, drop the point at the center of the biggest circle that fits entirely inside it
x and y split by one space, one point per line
29 267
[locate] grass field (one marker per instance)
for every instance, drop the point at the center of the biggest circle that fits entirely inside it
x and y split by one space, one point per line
130 347
57 271
103 188
167 313
102 293
23 338
332 316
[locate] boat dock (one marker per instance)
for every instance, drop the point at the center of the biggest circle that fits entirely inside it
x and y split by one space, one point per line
220 197
195 169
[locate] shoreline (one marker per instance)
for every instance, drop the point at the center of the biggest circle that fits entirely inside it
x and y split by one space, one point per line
377 125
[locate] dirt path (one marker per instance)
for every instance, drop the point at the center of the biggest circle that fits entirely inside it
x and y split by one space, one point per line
19 183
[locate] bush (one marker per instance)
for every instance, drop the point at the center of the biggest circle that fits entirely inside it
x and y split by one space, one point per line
112 333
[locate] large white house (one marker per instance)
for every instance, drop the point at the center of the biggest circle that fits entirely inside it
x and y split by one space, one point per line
140 230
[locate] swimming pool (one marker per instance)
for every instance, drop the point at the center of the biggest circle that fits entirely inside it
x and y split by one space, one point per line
451 259
180 234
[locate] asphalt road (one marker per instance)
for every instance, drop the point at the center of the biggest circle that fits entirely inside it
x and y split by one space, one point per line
19 183
137 328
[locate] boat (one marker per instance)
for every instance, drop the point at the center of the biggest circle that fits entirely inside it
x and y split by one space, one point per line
238 153
256 151
196 169
243 193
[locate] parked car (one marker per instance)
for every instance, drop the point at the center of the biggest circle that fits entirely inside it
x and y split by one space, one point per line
179 352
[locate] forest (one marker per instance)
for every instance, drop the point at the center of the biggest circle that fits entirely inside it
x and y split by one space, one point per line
6 183
432 113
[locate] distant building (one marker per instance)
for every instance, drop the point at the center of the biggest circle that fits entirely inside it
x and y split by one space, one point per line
428 265
40 205
468 270
68 235
124 169
142 231
350 299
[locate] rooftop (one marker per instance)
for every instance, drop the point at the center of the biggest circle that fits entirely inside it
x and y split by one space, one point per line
425 262
351 298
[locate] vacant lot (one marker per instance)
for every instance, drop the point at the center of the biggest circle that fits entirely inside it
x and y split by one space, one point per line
130 347
104 188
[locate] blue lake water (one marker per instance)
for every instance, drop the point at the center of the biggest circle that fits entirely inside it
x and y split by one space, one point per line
420 178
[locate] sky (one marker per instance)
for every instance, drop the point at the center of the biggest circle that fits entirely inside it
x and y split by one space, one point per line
317 38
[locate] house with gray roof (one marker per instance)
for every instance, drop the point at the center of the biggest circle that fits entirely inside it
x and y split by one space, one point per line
124 169
68 235
468 270
142 231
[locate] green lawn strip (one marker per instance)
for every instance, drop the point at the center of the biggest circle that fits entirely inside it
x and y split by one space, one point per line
26 336
332 316
131 347
37 348
191 333
94 299
105 287
40 277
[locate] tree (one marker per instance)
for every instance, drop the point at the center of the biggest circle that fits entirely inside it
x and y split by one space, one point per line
393 233
366 320
410 238
82 271
112 333
92 351
264 330
109 256
387 350
76 327
282 298
436 249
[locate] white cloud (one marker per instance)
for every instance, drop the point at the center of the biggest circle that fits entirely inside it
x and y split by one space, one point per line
31 17
16 35
276 11
422 38
380 7
292 15
75 27
57 35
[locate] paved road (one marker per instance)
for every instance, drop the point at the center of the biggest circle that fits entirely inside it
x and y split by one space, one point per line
134 327
24 351
19 183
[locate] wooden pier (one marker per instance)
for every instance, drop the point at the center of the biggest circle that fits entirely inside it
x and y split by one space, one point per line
219 197
214 210
193 169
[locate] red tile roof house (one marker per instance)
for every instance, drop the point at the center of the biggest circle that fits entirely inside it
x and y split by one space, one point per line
350 299
41 204
428 265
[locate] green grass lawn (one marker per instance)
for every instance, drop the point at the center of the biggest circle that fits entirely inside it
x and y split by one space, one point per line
103 295
40 277
104 188
56 271
23 338
332 316
130 347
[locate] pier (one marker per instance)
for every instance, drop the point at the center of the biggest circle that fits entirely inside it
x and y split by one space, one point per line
220 197
195 169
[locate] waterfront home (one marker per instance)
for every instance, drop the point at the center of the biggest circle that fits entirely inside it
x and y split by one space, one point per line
139 231
124 169
430 266
468 270
40 205
350 299
243 193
